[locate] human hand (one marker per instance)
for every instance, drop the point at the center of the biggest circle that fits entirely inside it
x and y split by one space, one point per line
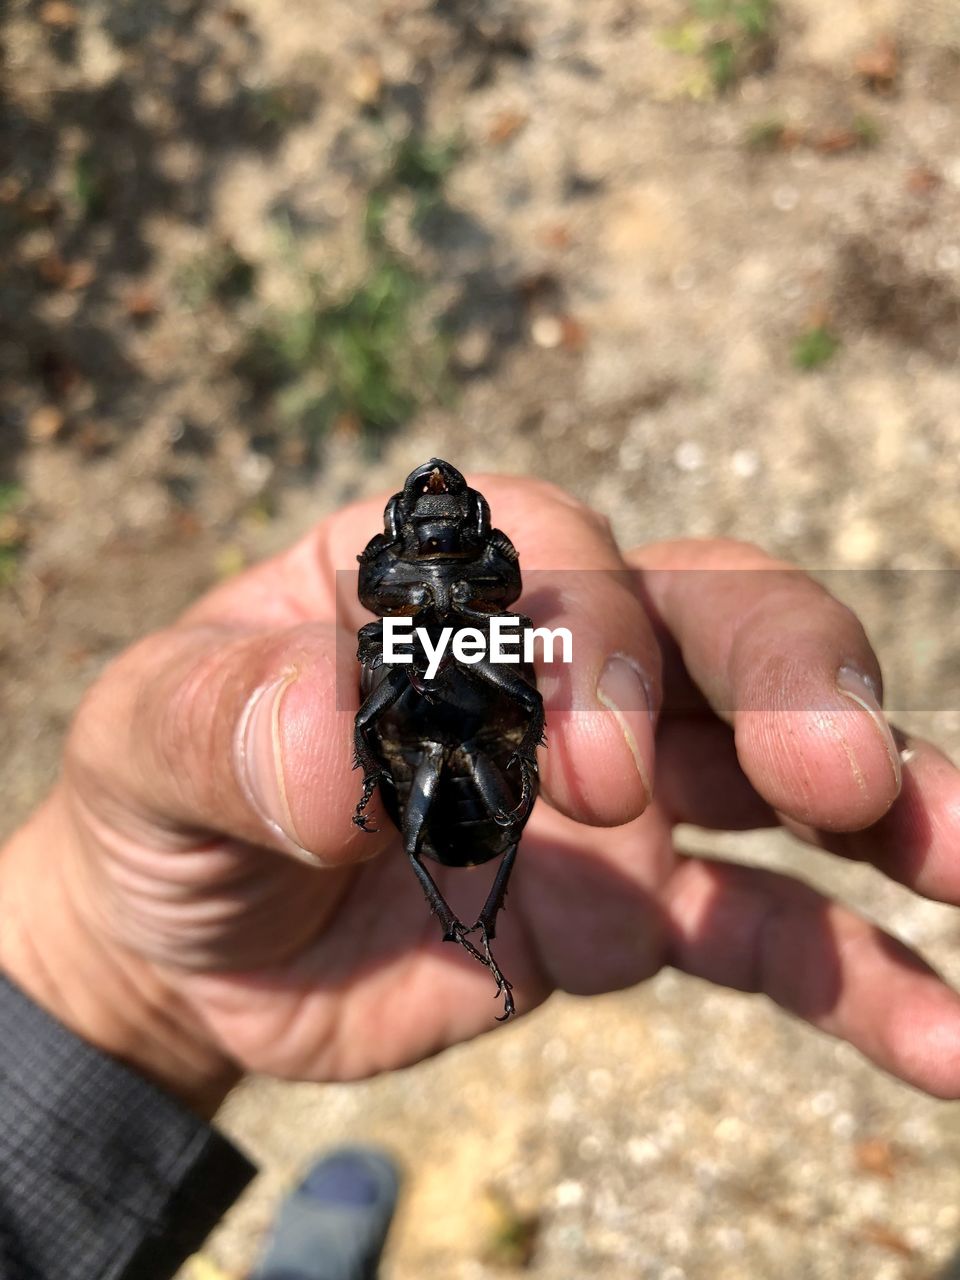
206 907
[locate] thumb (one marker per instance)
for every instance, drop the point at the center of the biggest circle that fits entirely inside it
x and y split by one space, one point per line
202 731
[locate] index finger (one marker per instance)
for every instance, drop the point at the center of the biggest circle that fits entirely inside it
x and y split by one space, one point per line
788 666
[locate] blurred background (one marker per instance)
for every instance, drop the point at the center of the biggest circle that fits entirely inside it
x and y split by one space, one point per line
698 261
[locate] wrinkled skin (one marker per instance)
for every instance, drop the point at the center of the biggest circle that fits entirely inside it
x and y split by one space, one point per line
182 906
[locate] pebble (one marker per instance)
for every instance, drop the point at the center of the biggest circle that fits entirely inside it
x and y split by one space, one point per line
785 198
823 1103
561 1107
547 331
567 1195
843 1125
745 463
688 456
643 1151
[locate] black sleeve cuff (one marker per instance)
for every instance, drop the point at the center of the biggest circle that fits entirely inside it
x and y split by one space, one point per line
102 1175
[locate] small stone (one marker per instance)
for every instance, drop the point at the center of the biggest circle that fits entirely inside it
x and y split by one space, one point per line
688 456
948 258
642 1151
547 331
566 1195
729 1129
859 542
561 1107
600 1081
786 198
948 1217
843 1125
745 463
44 424
823 1103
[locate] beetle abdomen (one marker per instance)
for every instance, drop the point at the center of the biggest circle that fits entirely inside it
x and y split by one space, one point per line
459 831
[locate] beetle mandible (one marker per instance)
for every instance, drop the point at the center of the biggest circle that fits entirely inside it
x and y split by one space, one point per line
455 756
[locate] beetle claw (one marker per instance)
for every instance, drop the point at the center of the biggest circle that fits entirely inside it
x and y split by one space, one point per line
504 988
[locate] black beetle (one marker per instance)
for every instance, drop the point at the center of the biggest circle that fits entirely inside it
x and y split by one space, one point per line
454 751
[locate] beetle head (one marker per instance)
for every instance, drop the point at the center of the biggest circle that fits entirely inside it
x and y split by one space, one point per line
439 517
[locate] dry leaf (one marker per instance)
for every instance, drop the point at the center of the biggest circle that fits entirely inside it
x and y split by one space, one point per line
574 334
44 423
52 269
141 304
365 83
187 524
79 275
94 438
40 204
876 1156
556 236
879 65
834 141
57 13
923 182
505 126
880 1234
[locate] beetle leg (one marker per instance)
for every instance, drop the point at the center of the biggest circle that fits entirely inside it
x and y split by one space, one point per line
487 920
422 790
509 817
504 987
487 924
370 645
515 687
492 788
378 700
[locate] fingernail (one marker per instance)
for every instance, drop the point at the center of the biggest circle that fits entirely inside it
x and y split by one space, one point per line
859 688
622 689
260 763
